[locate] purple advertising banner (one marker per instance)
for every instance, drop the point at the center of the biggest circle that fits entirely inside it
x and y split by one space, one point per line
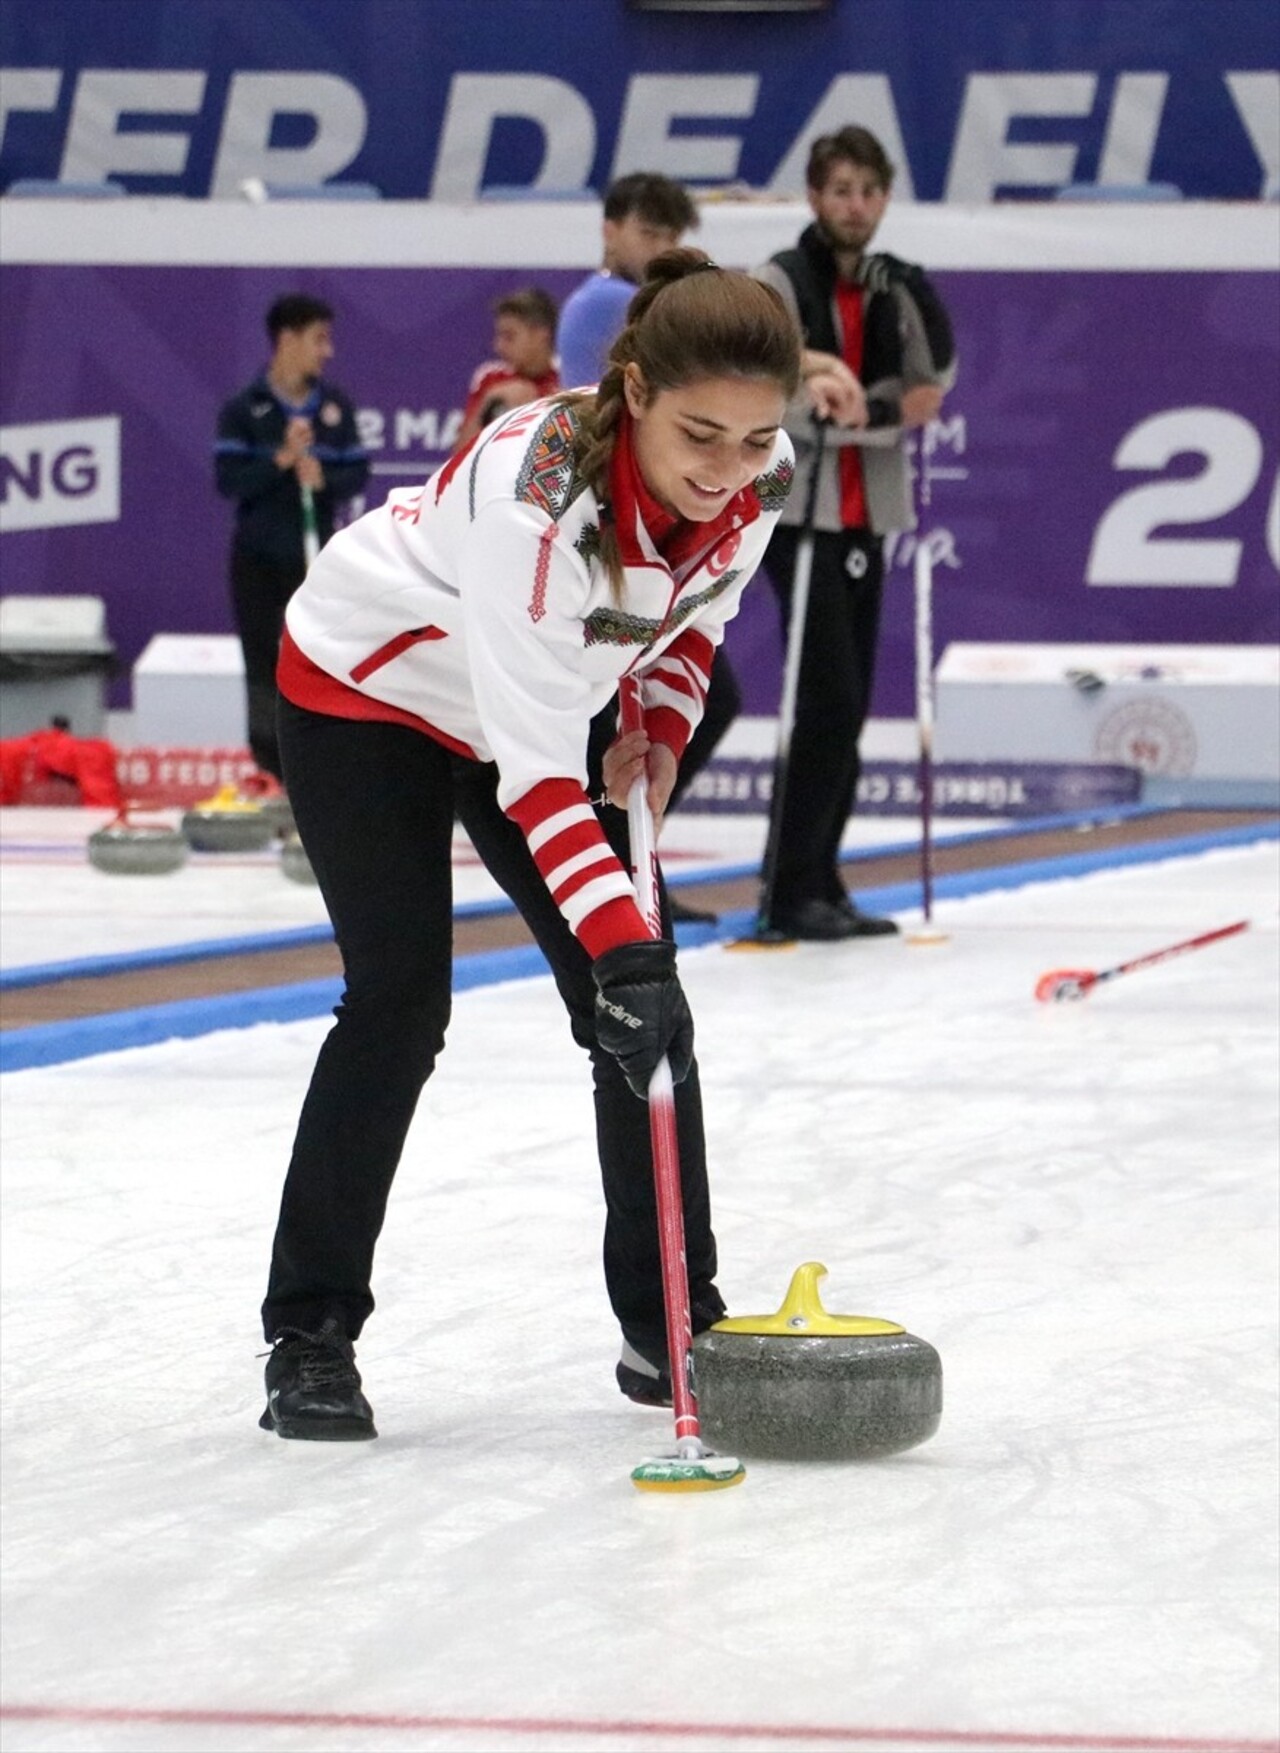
1104 471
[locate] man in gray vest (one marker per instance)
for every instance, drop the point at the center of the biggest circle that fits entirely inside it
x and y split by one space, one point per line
879 355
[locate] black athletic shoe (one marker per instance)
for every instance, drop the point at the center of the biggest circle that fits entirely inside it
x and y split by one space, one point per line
831 922
643 1373
644 1380
682 914
867 924
313 1387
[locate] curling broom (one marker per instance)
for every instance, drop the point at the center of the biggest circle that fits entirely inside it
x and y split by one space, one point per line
310 528
1069 983
767 935
690 1466
926 932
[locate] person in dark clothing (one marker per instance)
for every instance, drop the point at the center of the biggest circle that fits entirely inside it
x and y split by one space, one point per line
288 453
879 355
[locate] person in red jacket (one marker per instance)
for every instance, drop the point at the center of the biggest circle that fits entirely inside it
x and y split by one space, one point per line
524 337
444 659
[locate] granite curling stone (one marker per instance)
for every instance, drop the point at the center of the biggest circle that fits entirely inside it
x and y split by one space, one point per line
279 812
128 848
805 1385
228 822
294 861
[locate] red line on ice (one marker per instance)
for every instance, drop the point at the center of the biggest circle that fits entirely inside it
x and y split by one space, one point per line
981 1738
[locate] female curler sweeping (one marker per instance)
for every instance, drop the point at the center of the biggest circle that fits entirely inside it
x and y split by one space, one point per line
444 659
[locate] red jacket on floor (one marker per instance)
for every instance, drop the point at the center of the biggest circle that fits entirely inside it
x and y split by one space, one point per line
28 764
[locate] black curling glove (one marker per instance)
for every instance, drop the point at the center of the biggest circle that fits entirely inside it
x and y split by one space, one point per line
642 1012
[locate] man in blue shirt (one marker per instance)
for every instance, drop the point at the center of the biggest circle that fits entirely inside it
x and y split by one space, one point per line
644 214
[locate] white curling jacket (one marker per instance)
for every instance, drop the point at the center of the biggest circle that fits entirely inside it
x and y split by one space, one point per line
476 609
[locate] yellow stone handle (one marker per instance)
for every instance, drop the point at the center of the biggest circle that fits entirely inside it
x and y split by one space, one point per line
228 798
802 1315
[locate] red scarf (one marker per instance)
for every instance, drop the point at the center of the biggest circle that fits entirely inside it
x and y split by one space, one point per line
677 540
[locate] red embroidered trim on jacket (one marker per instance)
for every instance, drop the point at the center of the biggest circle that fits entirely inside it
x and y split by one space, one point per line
541 572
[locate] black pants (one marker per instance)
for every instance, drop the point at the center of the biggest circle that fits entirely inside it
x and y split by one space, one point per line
721 707
260 592
375 805
833 697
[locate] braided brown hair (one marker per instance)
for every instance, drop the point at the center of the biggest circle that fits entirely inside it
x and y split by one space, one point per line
689 321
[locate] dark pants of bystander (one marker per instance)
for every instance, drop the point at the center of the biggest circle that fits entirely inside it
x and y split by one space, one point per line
260 591
833 698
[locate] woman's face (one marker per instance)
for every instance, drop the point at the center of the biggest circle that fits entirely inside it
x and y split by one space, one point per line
698 445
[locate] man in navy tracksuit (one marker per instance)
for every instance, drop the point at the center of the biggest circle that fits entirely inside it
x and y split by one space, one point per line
287 450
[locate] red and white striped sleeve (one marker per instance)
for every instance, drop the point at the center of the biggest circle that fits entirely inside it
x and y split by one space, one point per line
578 865
674 690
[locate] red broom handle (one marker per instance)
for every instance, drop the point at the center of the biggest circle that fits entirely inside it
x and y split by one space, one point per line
663 1135
1174 949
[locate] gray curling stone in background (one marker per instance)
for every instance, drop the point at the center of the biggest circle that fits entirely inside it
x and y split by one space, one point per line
294 861
126 848
228 822
805 1385
278 812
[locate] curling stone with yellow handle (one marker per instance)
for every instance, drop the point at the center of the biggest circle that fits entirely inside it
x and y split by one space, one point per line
228 822
805 1385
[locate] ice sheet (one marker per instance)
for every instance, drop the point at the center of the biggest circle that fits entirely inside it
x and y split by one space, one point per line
1075 1203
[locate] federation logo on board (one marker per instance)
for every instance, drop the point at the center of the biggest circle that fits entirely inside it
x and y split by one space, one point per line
1152 735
